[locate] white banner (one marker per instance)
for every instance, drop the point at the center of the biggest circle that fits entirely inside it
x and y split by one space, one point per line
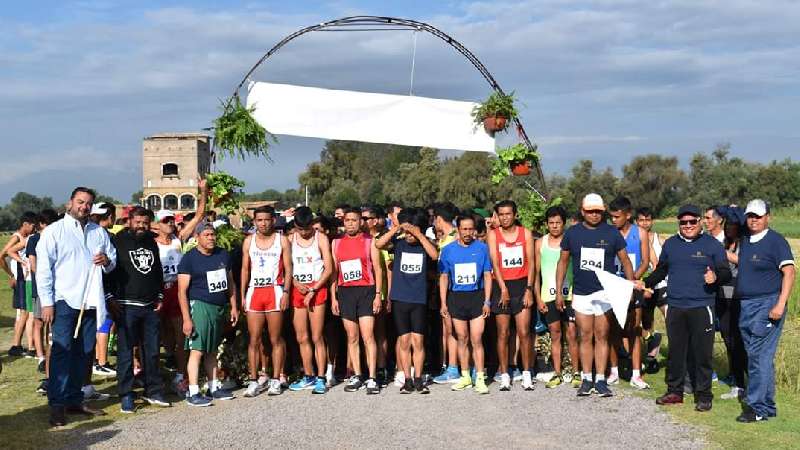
367 117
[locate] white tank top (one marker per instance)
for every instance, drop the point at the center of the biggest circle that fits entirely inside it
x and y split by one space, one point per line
265 265
22 254
307 262
170 255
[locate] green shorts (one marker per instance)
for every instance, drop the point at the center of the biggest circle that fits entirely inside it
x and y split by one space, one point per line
207 333
29 296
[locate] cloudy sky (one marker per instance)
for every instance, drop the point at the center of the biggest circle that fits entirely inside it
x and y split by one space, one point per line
82 82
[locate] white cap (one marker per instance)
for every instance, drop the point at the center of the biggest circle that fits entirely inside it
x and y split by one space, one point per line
218 223
163 214
593 201
758 207
96 209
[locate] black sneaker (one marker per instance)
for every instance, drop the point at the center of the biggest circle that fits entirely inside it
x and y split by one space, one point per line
42 366
29 353
408 387
749 415
420 386
586 388
16 350
42 389
601 387
373 387
702 405
353 384
169 363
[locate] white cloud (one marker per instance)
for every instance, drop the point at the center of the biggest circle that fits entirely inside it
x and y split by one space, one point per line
82 160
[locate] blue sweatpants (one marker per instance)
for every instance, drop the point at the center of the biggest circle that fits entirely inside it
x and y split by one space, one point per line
760 336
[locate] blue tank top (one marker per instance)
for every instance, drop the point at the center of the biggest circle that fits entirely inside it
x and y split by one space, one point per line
633 246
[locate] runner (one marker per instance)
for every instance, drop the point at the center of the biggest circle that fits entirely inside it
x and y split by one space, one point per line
374 223
592 244
547 252
511 251
637 245
443 216
18 278
356 298
205 284
465 290
103 214
413 256
267 273
312 266
656 299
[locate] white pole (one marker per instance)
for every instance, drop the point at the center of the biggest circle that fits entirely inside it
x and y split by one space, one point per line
306 195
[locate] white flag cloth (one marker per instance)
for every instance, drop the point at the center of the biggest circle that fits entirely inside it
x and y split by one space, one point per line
367 117
618 292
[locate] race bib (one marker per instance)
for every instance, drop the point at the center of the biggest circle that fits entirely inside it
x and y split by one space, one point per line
631 257
217 280
351 270
592 258
262 281
170 269
564 289
511 257
411 263
304 277
466 273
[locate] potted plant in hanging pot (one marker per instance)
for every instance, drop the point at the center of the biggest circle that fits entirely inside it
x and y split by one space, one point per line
495 113
514 160
224 190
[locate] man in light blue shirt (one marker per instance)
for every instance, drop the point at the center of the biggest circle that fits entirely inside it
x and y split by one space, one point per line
70 254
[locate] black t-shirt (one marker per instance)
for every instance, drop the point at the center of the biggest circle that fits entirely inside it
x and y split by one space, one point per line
409 273
591 249
209 274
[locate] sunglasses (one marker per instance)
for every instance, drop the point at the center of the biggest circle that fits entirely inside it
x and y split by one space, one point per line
688 222
594 211
369 218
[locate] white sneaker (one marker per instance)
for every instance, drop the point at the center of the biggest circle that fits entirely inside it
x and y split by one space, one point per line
612 379
527 381
639 383
399 379
274 387
734 394
544 377
253 389
505 382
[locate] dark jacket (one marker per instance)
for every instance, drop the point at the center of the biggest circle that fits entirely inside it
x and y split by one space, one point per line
138 277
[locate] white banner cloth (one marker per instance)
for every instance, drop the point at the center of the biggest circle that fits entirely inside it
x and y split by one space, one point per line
618 292
367 117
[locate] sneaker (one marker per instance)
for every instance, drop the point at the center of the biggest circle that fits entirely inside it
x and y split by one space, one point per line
169 363
544 377
222 394
516 375
198 400
263 382
729 380
306 382
42 368
702 405
576 380
373 387
586 388
157 400
714 377
566 378
419 385
554 382
601 388
354 383
505 382
320 386
103 371
498 376
127 405
253 389
670 398
42 389
639 383
29 353
408 387
90 394
473 374
750 416
481 388
274 387
399 378
16 350
735 394
382 377
528 383
182 388
613 379
463 383
449 375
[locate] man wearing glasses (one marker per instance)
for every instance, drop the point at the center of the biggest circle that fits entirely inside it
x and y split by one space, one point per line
695 263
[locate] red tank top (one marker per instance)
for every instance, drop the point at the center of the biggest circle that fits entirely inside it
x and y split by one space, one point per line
354 262
511 255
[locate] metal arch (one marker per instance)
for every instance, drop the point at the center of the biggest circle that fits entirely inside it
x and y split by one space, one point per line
397 23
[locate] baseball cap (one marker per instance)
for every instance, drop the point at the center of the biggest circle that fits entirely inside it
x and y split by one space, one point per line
97 209
163 214
758 207
691 210
203 225
593 201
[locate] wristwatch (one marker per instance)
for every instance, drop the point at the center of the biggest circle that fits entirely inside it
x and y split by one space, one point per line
529 287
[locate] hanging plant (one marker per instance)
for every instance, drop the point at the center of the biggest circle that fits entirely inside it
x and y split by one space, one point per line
237 134
516 159
495 113
225 191
228 237
531 213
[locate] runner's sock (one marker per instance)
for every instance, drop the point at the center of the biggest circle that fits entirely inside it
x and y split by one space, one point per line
193 389
636 373
615 371
329 371
586 376
214 385
600 377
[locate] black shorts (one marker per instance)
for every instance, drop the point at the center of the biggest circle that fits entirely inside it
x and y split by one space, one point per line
409 317
355 301
516 292
554 315
18 296
659 298
465 305
637 301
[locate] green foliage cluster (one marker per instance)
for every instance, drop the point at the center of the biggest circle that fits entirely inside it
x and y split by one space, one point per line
237 134
225 191
497 104
512 154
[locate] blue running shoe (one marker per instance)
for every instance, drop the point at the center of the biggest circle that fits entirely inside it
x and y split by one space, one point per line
198 400
498 376
319 386
126 404
222 394
516 375
601 387
306 382
450 375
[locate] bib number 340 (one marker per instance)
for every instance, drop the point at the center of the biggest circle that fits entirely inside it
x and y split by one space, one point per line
217 280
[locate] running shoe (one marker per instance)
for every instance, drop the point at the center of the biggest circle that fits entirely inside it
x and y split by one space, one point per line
639 383
586 388
554 382
319 386
373 387
576 380
670 398
505 382
516 374
169 362
42 389
399 378
181 388
463 383
275 387
408 387
601 388
41 368
253 389
382 377
420 386
103 371
157 400
449 375
714 377
528 382
29 353
306 382
90 394
16 350
222 394
127 406
354 383
734 394
480 385
749 416
498 376
198 400
613 379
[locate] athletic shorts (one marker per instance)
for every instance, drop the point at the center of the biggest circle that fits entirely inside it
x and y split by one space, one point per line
355 301
659 298
18 296
409 317
207 333
298 299
594 304
637 301
264 299
516 293
28 296
106 327
37 308
554 315
170 308
465 305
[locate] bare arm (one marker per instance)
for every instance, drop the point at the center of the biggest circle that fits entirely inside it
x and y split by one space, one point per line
232 299
786 290
245 273
183 301
187 231
13 240
327 260
286 255
644 243
627 267
491 242
384 240
444 281
537 271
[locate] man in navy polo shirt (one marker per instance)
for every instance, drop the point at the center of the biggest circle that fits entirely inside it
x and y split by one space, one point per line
766 276
695 263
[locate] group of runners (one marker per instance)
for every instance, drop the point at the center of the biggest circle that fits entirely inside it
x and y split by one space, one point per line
414 288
